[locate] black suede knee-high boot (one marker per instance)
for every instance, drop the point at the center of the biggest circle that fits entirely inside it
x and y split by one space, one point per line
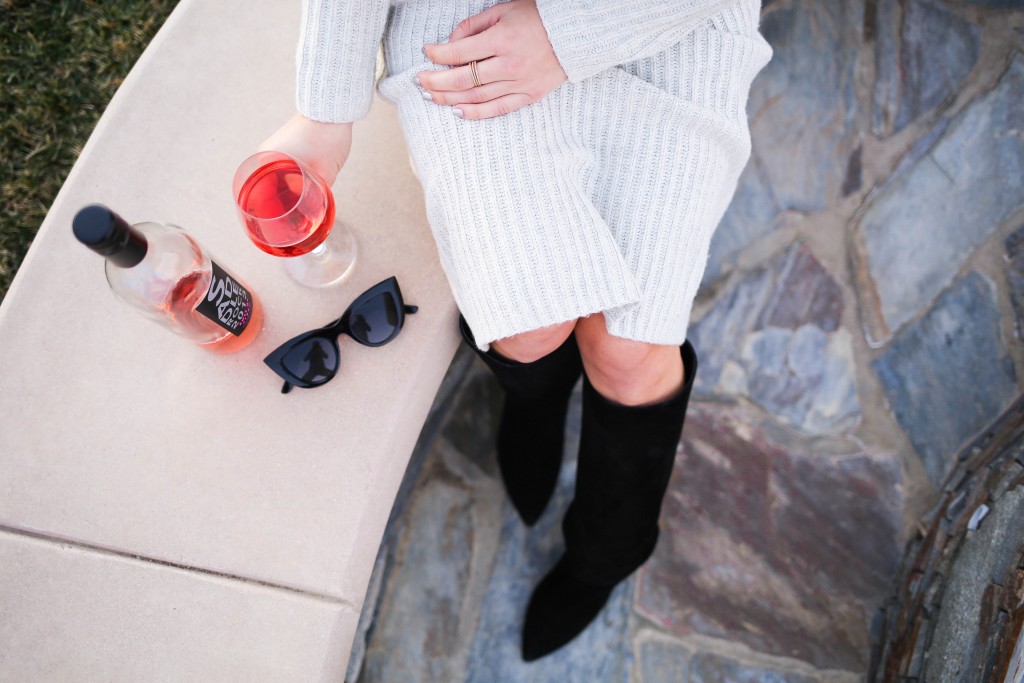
611 527
532 428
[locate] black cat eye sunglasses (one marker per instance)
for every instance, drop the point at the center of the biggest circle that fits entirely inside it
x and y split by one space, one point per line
311 359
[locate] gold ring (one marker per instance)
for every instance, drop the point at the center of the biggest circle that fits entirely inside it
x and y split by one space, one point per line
476 76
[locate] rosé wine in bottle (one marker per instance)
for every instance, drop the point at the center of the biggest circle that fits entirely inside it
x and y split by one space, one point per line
166 275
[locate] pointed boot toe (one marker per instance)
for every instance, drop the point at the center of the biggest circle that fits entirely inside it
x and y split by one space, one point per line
529 457
560 608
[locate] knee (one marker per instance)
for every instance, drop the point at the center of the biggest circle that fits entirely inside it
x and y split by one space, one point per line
610 355
622 369
530 346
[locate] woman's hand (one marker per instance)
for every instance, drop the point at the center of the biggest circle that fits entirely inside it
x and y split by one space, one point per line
515 62
324 147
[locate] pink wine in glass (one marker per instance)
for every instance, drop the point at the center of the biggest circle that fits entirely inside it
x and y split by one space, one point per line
167 276
287 212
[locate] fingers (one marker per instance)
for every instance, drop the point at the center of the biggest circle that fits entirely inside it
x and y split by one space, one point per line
463 51
485 92
461 77
510 46
496 107
478 22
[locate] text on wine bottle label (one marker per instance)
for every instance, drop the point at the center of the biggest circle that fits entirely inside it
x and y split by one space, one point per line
227 302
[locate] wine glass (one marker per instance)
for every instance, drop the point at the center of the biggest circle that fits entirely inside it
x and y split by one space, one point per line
288 211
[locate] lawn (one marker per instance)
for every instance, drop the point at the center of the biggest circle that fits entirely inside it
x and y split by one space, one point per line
61 62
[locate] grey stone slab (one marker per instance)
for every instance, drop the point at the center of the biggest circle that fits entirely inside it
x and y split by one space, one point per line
803 376
707 667
803 103
948 374
717 335
802 109
957 649
923 51
928 219
854 173
749 217
775 338
1015 277
471 426
438 545
998 4
660 660
417 625
778 546
804 293
883 25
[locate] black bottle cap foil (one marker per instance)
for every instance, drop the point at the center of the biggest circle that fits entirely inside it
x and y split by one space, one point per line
102 230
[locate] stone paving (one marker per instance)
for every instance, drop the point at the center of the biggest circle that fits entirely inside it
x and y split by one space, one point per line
860 321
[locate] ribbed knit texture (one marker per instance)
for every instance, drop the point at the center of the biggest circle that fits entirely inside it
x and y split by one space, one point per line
337 53
603 195
589 36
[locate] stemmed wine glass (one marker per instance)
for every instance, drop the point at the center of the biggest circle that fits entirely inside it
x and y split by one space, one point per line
288 211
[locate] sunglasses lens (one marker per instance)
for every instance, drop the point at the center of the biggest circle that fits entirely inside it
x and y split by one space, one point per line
314 361
376 320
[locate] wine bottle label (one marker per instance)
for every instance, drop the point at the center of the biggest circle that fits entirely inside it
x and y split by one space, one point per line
227 302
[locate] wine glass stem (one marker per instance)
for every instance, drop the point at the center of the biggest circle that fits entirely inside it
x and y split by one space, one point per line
328 263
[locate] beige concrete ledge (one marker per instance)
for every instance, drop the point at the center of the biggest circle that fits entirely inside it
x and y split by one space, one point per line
72 614
116 435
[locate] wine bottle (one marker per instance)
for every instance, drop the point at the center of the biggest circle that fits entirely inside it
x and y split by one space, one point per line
164 273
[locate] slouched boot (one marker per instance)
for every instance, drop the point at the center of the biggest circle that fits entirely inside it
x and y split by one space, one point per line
611 527
532 426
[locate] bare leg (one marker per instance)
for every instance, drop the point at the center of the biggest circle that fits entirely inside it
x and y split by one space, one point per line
627 371
529 346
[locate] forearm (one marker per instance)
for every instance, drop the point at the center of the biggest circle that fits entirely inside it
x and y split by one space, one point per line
336 58
589 36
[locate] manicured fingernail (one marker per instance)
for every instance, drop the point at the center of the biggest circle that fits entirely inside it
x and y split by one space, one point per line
443 41
416 80
424 51
457 112
428 96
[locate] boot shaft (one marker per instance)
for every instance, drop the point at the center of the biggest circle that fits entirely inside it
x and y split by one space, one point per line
551 377
625 464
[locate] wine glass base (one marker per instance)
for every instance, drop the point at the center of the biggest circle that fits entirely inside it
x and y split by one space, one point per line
329 263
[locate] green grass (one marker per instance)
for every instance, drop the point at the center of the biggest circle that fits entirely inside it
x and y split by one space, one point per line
60 63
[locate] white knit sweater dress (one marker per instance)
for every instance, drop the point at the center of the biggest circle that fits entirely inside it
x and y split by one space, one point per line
603 195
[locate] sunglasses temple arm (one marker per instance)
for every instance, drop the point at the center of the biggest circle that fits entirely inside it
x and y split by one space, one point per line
286 387
411 309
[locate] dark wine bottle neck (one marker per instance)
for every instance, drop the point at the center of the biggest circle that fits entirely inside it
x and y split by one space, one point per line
105 232
131 252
